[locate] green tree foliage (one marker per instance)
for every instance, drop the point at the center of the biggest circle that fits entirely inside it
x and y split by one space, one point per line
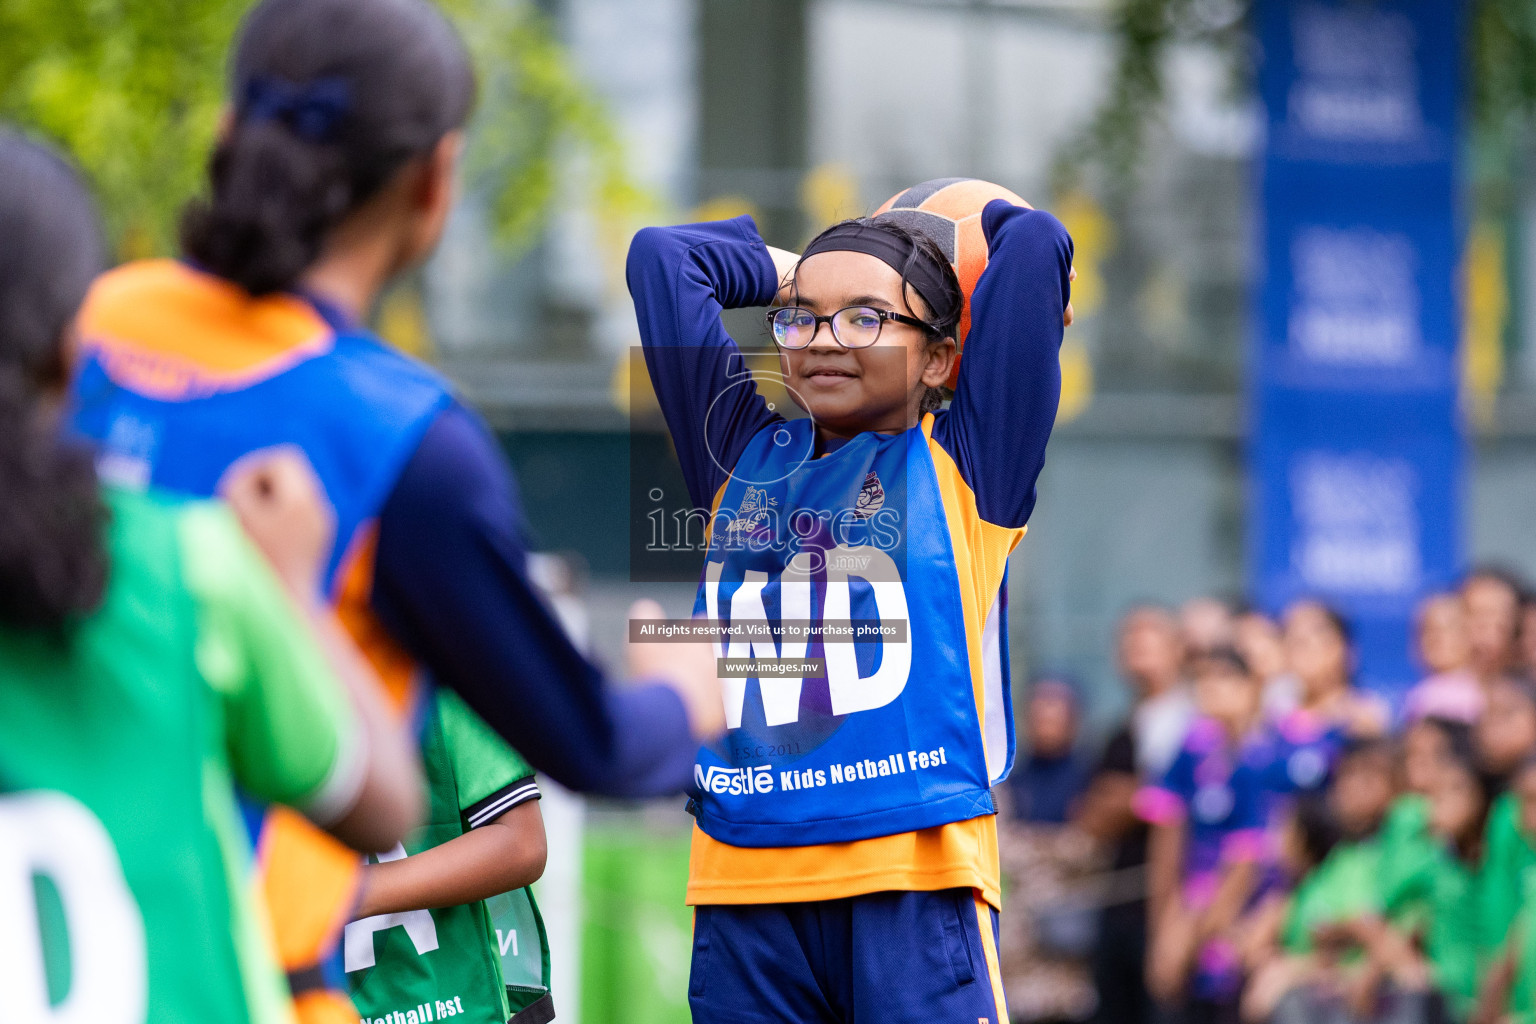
1501 80
1502 38
535 114
1143 30
133 90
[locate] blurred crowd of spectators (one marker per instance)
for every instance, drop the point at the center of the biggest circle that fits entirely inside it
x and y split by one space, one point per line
1259 840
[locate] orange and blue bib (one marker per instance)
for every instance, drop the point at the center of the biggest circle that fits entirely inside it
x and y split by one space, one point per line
182 374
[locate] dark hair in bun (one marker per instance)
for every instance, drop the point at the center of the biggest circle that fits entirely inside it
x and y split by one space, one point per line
331 98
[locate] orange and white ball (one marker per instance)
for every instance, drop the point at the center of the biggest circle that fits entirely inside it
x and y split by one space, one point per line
948 210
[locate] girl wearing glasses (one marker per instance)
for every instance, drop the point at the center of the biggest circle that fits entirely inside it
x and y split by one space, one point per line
844 864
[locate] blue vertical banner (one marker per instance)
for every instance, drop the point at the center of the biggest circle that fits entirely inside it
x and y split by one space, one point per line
1357 455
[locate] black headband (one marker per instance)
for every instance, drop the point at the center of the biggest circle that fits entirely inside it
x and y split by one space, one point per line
925 276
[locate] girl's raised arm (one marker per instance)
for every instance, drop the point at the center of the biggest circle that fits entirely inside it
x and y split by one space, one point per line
681 278
997 426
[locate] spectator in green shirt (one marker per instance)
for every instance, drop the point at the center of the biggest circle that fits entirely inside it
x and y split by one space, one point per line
1426 943
1508 903
1302 958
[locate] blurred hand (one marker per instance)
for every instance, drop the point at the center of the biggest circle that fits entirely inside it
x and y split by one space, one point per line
283 508
1171 955
689 668
1366 718
1333 939
1066 317
1104 811
1362 990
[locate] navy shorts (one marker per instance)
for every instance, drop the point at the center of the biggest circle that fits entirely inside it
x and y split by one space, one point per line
887 957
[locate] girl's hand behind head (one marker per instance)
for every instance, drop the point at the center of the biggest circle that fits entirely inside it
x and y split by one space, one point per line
784 263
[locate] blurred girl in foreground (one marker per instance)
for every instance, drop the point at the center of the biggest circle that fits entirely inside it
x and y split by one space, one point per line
149 658
334 175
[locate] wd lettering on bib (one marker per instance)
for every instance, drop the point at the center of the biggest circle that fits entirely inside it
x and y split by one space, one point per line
887 740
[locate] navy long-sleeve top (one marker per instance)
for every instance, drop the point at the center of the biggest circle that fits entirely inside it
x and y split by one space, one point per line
997 427
451 584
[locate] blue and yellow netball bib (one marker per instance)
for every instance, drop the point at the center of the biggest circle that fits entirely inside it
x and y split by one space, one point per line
845 659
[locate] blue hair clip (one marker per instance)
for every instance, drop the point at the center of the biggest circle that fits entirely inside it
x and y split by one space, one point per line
313 111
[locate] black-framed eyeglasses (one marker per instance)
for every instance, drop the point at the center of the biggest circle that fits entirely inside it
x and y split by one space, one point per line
795 327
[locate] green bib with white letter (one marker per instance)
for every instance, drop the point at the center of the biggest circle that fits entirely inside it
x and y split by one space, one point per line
477 963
